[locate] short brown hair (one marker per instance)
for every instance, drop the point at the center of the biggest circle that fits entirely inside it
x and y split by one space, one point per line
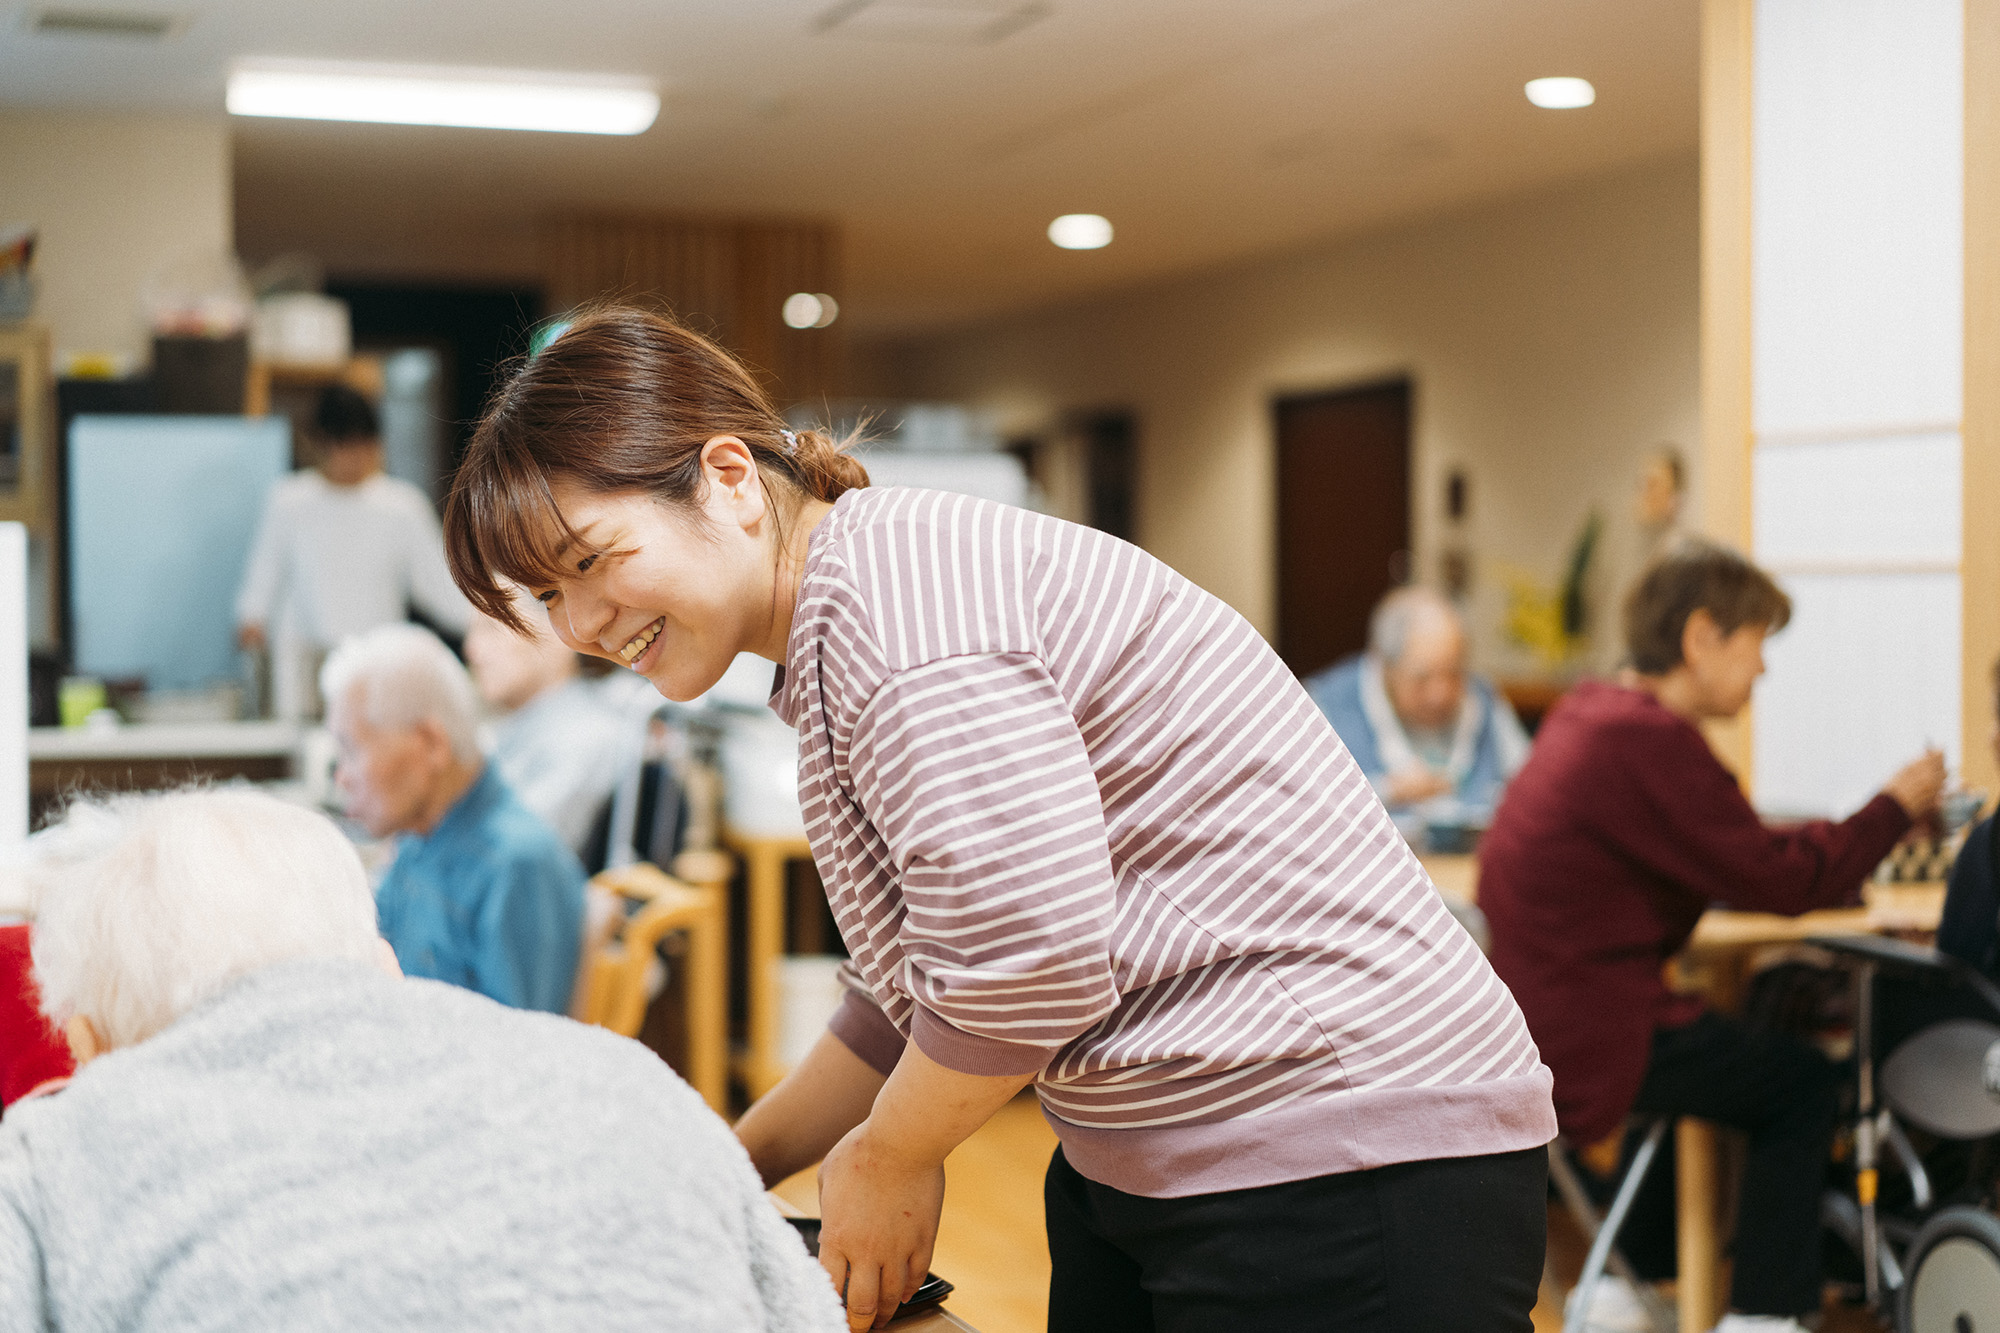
622 400
1697 576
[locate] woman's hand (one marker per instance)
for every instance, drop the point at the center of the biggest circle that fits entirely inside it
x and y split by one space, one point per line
879 1218
881 1187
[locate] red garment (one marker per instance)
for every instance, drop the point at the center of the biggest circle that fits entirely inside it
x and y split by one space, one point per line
1620 831
31 1052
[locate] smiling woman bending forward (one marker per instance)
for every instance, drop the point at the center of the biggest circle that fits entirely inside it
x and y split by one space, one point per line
1080 829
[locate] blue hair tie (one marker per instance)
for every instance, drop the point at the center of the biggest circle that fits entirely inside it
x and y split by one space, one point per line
791 441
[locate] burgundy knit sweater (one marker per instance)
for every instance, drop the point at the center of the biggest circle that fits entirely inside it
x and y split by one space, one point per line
1608 846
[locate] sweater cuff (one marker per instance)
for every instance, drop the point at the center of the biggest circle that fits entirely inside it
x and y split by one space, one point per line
1885 818
861 1026
959 1050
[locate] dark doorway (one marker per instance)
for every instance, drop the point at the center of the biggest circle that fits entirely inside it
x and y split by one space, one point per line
1343 517
474 330
1111 471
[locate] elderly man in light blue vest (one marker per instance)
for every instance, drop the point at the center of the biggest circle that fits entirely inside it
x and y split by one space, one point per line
1437 743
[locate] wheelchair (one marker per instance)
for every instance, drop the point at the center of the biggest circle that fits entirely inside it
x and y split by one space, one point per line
1929 1249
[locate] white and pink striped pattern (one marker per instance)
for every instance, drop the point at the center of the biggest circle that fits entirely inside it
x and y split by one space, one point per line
1075 816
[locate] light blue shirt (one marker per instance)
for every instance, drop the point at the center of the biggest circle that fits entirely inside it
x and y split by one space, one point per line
1493 743
491 900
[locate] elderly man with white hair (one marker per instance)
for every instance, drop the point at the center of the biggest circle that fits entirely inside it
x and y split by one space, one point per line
482 893
270 1128
1433 739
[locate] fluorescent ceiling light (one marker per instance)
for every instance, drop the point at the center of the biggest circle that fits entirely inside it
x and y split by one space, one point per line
423 95
1080 231
1563 94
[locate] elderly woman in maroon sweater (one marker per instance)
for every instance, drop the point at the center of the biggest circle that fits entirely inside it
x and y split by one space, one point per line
1620 831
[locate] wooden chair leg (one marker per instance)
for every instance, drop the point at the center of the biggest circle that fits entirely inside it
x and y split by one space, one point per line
1697 1164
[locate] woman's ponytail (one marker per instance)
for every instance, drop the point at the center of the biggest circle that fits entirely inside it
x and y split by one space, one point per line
821 467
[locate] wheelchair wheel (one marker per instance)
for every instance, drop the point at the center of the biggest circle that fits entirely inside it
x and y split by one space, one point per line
1953 1282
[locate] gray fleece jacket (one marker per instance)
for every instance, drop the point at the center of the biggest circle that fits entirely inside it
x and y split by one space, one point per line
322 1146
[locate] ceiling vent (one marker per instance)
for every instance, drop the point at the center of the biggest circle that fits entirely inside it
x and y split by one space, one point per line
935 22
131 25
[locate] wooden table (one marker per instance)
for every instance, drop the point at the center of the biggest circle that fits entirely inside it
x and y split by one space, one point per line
1456 875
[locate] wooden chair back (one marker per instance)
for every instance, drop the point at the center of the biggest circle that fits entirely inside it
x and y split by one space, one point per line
628 911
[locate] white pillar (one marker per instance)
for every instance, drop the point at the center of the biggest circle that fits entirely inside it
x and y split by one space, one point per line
1857 398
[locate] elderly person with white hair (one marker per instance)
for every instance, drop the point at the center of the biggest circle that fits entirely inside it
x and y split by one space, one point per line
270 1128
563 738
1433 738
482 893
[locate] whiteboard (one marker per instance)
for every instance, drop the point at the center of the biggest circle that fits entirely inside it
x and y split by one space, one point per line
161 513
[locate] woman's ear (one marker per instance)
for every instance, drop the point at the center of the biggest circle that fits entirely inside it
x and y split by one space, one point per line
731 474
86 1043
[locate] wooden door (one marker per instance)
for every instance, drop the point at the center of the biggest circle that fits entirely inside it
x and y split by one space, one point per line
1343 517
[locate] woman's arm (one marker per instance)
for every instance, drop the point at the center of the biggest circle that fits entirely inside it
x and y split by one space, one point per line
882 1185
1663 797
812 1108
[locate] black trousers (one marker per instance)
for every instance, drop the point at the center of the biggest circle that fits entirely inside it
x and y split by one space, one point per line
1418 1247
1786 1096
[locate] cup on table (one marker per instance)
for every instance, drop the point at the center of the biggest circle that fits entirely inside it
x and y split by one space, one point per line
77 698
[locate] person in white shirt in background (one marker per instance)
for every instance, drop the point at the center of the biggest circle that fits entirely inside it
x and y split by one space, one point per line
341 548
563 740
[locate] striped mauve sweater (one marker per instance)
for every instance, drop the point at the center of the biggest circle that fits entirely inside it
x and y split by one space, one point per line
1075 817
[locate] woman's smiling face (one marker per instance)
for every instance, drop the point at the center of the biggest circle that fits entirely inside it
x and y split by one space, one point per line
673 595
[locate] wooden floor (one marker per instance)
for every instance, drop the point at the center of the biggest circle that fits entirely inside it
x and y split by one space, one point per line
991 1244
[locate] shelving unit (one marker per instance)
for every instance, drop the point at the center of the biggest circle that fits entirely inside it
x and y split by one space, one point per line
27 417
27 446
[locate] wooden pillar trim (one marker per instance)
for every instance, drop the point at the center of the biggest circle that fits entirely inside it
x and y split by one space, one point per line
1727 81
1979 560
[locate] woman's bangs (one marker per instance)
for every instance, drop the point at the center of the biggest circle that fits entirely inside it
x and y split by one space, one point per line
518 535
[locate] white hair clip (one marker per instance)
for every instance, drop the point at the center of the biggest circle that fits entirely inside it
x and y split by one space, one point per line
791 441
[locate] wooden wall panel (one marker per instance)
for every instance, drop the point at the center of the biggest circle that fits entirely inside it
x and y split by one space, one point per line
726 277
1979 561
1727 79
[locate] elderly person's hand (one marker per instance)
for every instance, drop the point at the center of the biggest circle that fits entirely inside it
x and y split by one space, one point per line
1919 785
1417 784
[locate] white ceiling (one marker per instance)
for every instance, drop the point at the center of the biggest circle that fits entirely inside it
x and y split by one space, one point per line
1207 132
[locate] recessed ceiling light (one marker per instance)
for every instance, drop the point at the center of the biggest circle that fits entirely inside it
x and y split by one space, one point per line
1080 231
810 310
423 95
1561 94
